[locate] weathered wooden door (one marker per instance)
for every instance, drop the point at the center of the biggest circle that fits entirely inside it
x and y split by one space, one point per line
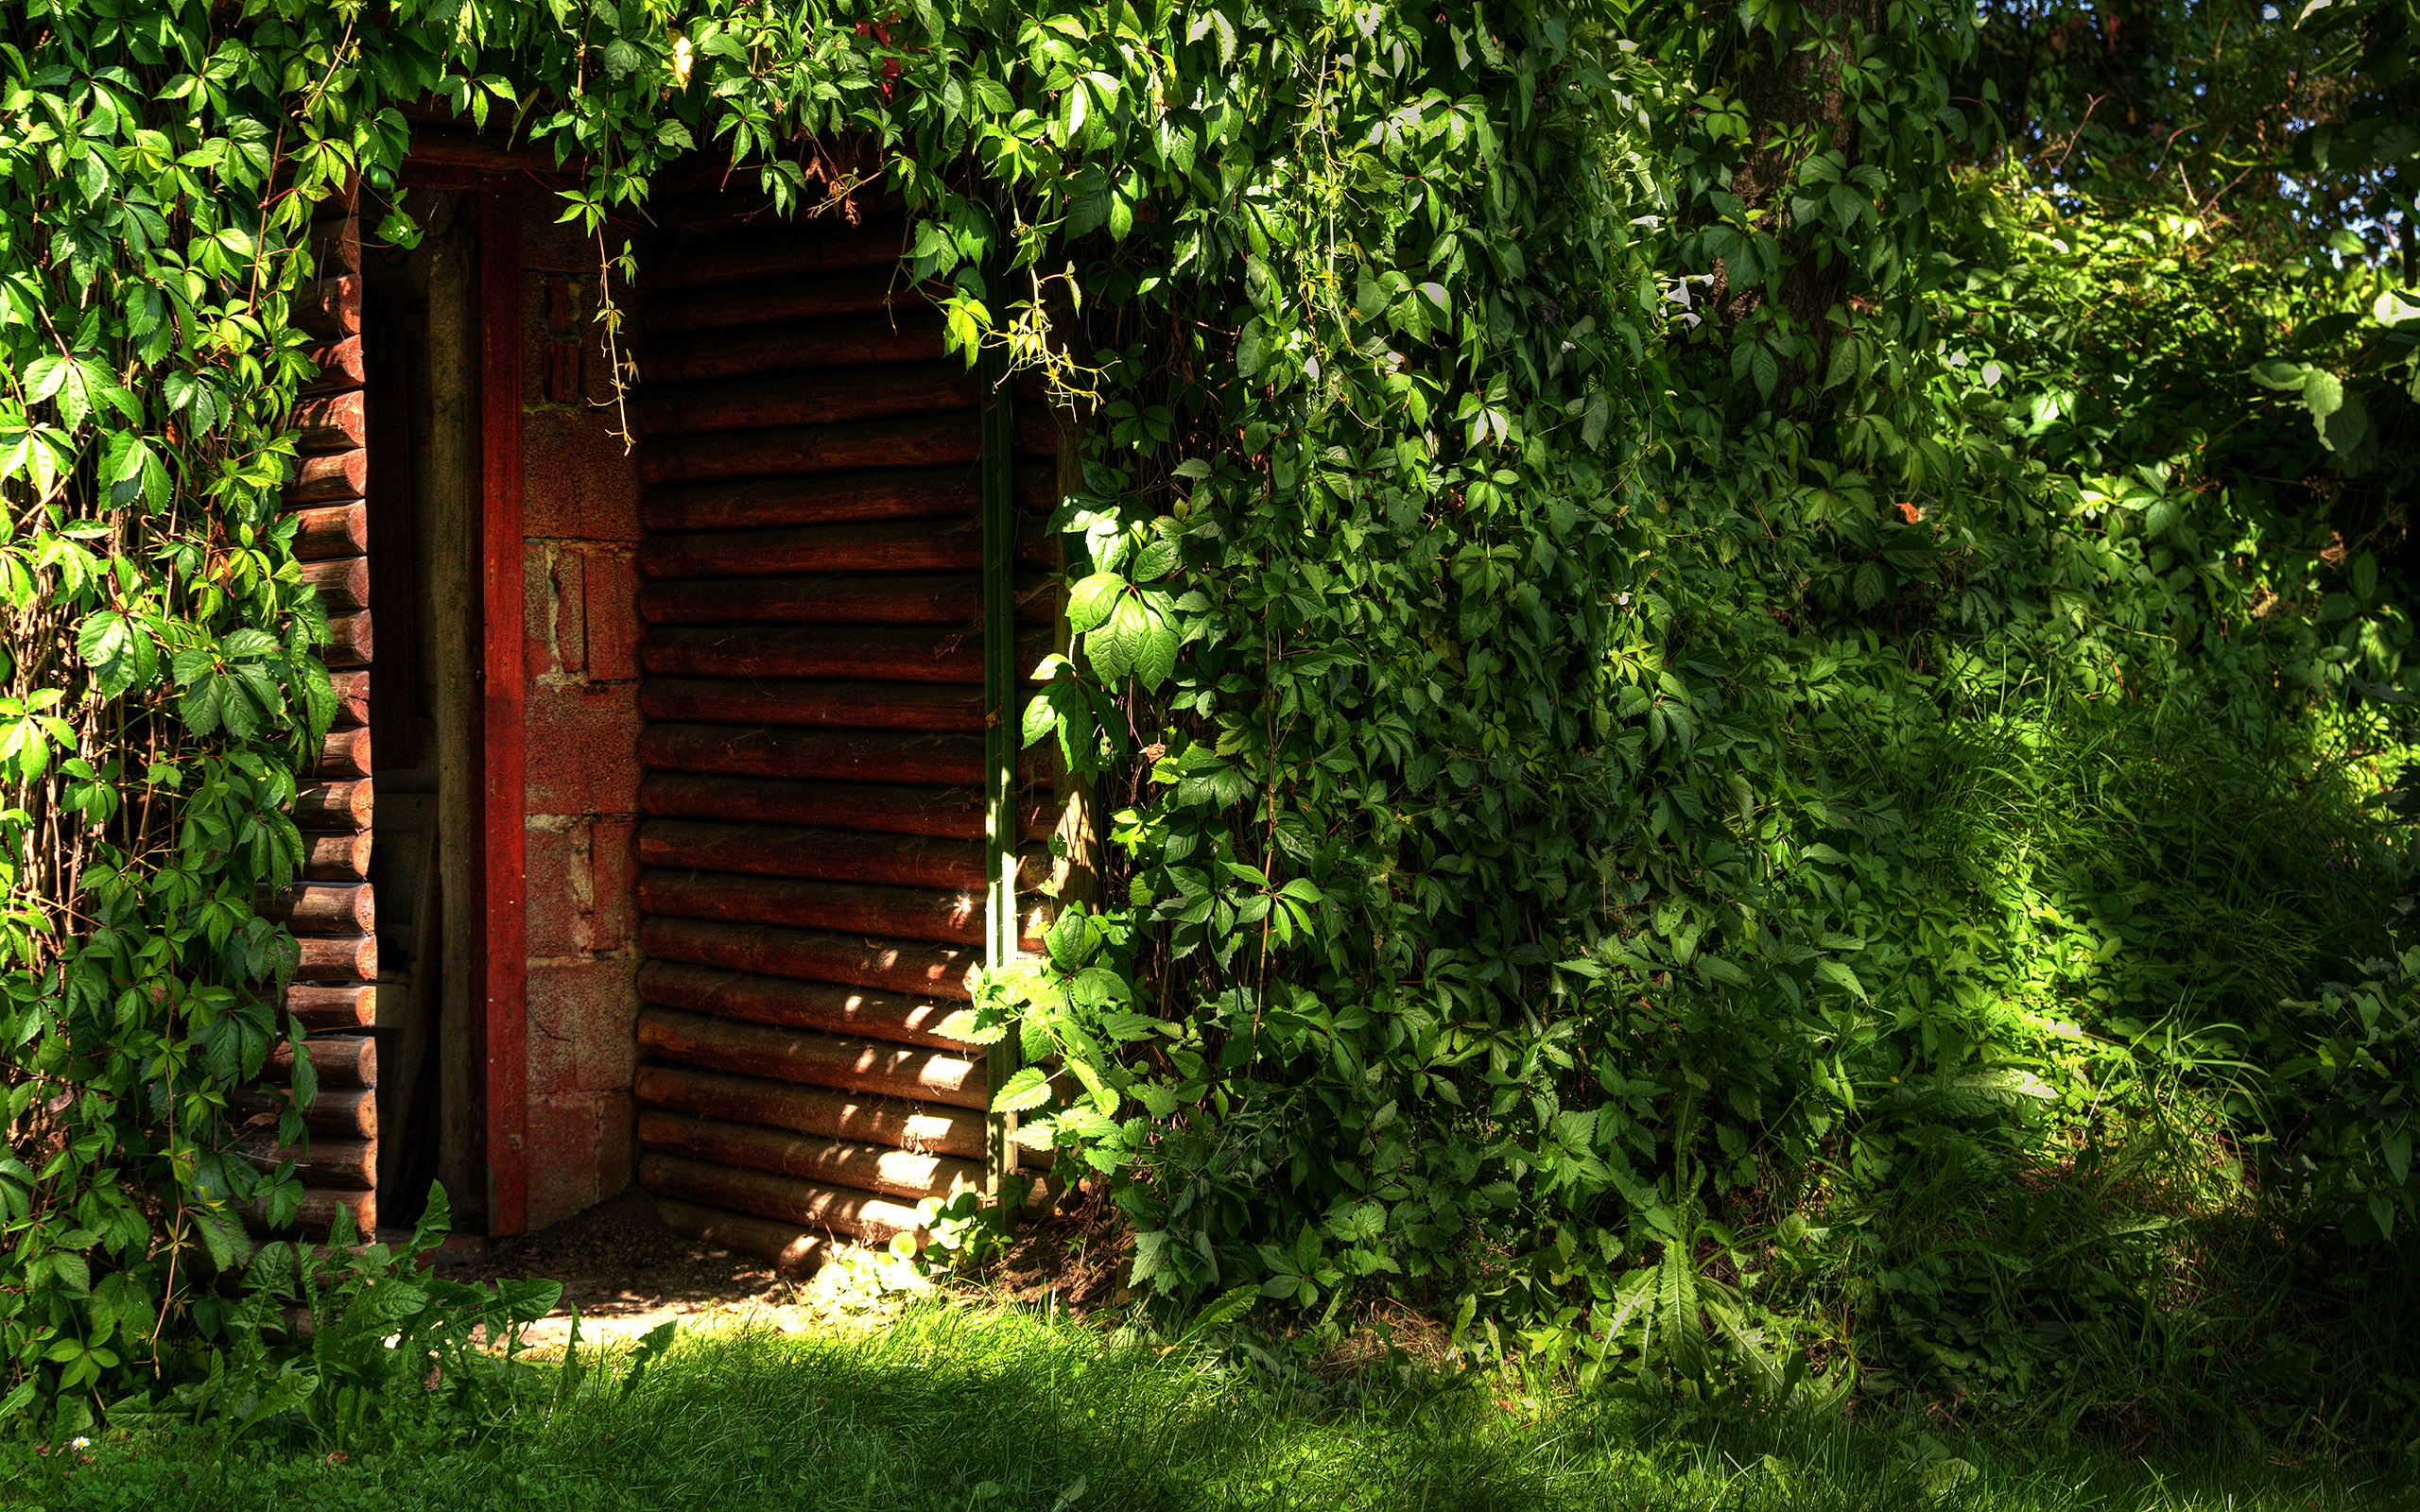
814 807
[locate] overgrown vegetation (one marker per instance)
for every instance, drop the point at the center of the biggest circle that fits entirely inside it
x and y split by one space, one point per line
1752 704
959 1408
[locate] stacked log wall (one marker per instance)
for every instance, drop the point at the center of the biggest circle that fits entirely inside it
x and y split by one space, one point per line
330 906
811 829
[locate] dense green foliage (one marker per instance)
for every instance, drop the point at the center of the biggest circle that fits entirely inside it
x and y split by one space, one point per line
1849 740
1743 727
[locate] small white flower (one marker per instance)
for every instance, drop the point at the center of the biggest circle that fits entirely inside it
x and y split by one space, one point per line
1650 222
79 1443
2268 12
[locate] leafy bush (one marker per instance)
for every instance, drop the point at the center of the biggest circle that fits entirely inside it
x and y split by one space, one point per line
350 1347
2347 1085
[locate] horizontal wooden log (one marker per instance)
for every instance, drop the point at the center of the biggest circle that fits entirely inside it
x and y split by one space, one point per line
809 1204
864 546
317 1213
345 1164
944 814
345 754
859 1117
907 1018
862 1167
904 706
784 252
912 441
342 583
704 184
336 957
339 364
786 1248
911 967
814 754
904 334
449 153
910 493
336 246
954 545
955 600
341 1059
333 805
330 308
353 698
343 856
895 913
874 654
347 1007
714 307
339 530
333 422
813 1059
824 854
955 813
929 389
337 1113
324 908
329 479
349 641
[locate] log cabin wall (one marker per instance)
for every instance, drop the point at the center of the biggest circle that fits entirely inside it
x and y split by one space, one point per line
812 831
331 908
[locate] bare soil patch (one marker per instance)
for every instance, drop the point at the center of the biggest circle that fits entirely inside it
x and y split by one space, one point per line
625 1273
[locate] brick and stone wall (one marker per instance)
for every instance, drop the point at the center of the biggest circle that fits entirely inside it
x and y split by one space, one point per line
581 502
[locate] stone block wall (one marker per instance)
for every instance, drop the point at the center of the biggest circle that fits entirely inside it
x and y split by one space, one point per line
582 528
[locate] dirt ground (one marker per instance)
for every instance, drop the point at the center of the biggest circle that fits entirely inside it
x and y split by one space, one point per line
625 1273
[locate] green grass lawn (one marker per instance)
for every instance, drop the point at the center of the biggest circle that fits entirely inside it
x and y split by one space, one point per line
993 1410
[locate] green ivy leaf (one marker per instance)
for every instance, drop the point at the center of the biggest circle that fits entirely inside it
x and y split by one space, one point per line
1093 600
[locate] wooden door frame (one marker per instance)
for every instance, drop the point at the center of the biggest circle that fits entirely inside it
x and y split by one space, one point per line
499 869
1003 736
503 862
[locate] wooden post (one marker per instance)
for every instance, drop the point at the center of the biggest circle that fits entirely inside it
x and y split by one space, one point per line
503 862
1003 726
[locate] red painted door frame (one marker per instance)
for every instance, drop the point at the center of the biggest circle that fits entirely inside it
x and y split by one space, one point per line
504 792
500 867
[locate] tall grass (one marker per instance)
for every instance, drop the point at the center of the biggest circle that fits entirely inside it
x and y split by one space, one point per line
993 1410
